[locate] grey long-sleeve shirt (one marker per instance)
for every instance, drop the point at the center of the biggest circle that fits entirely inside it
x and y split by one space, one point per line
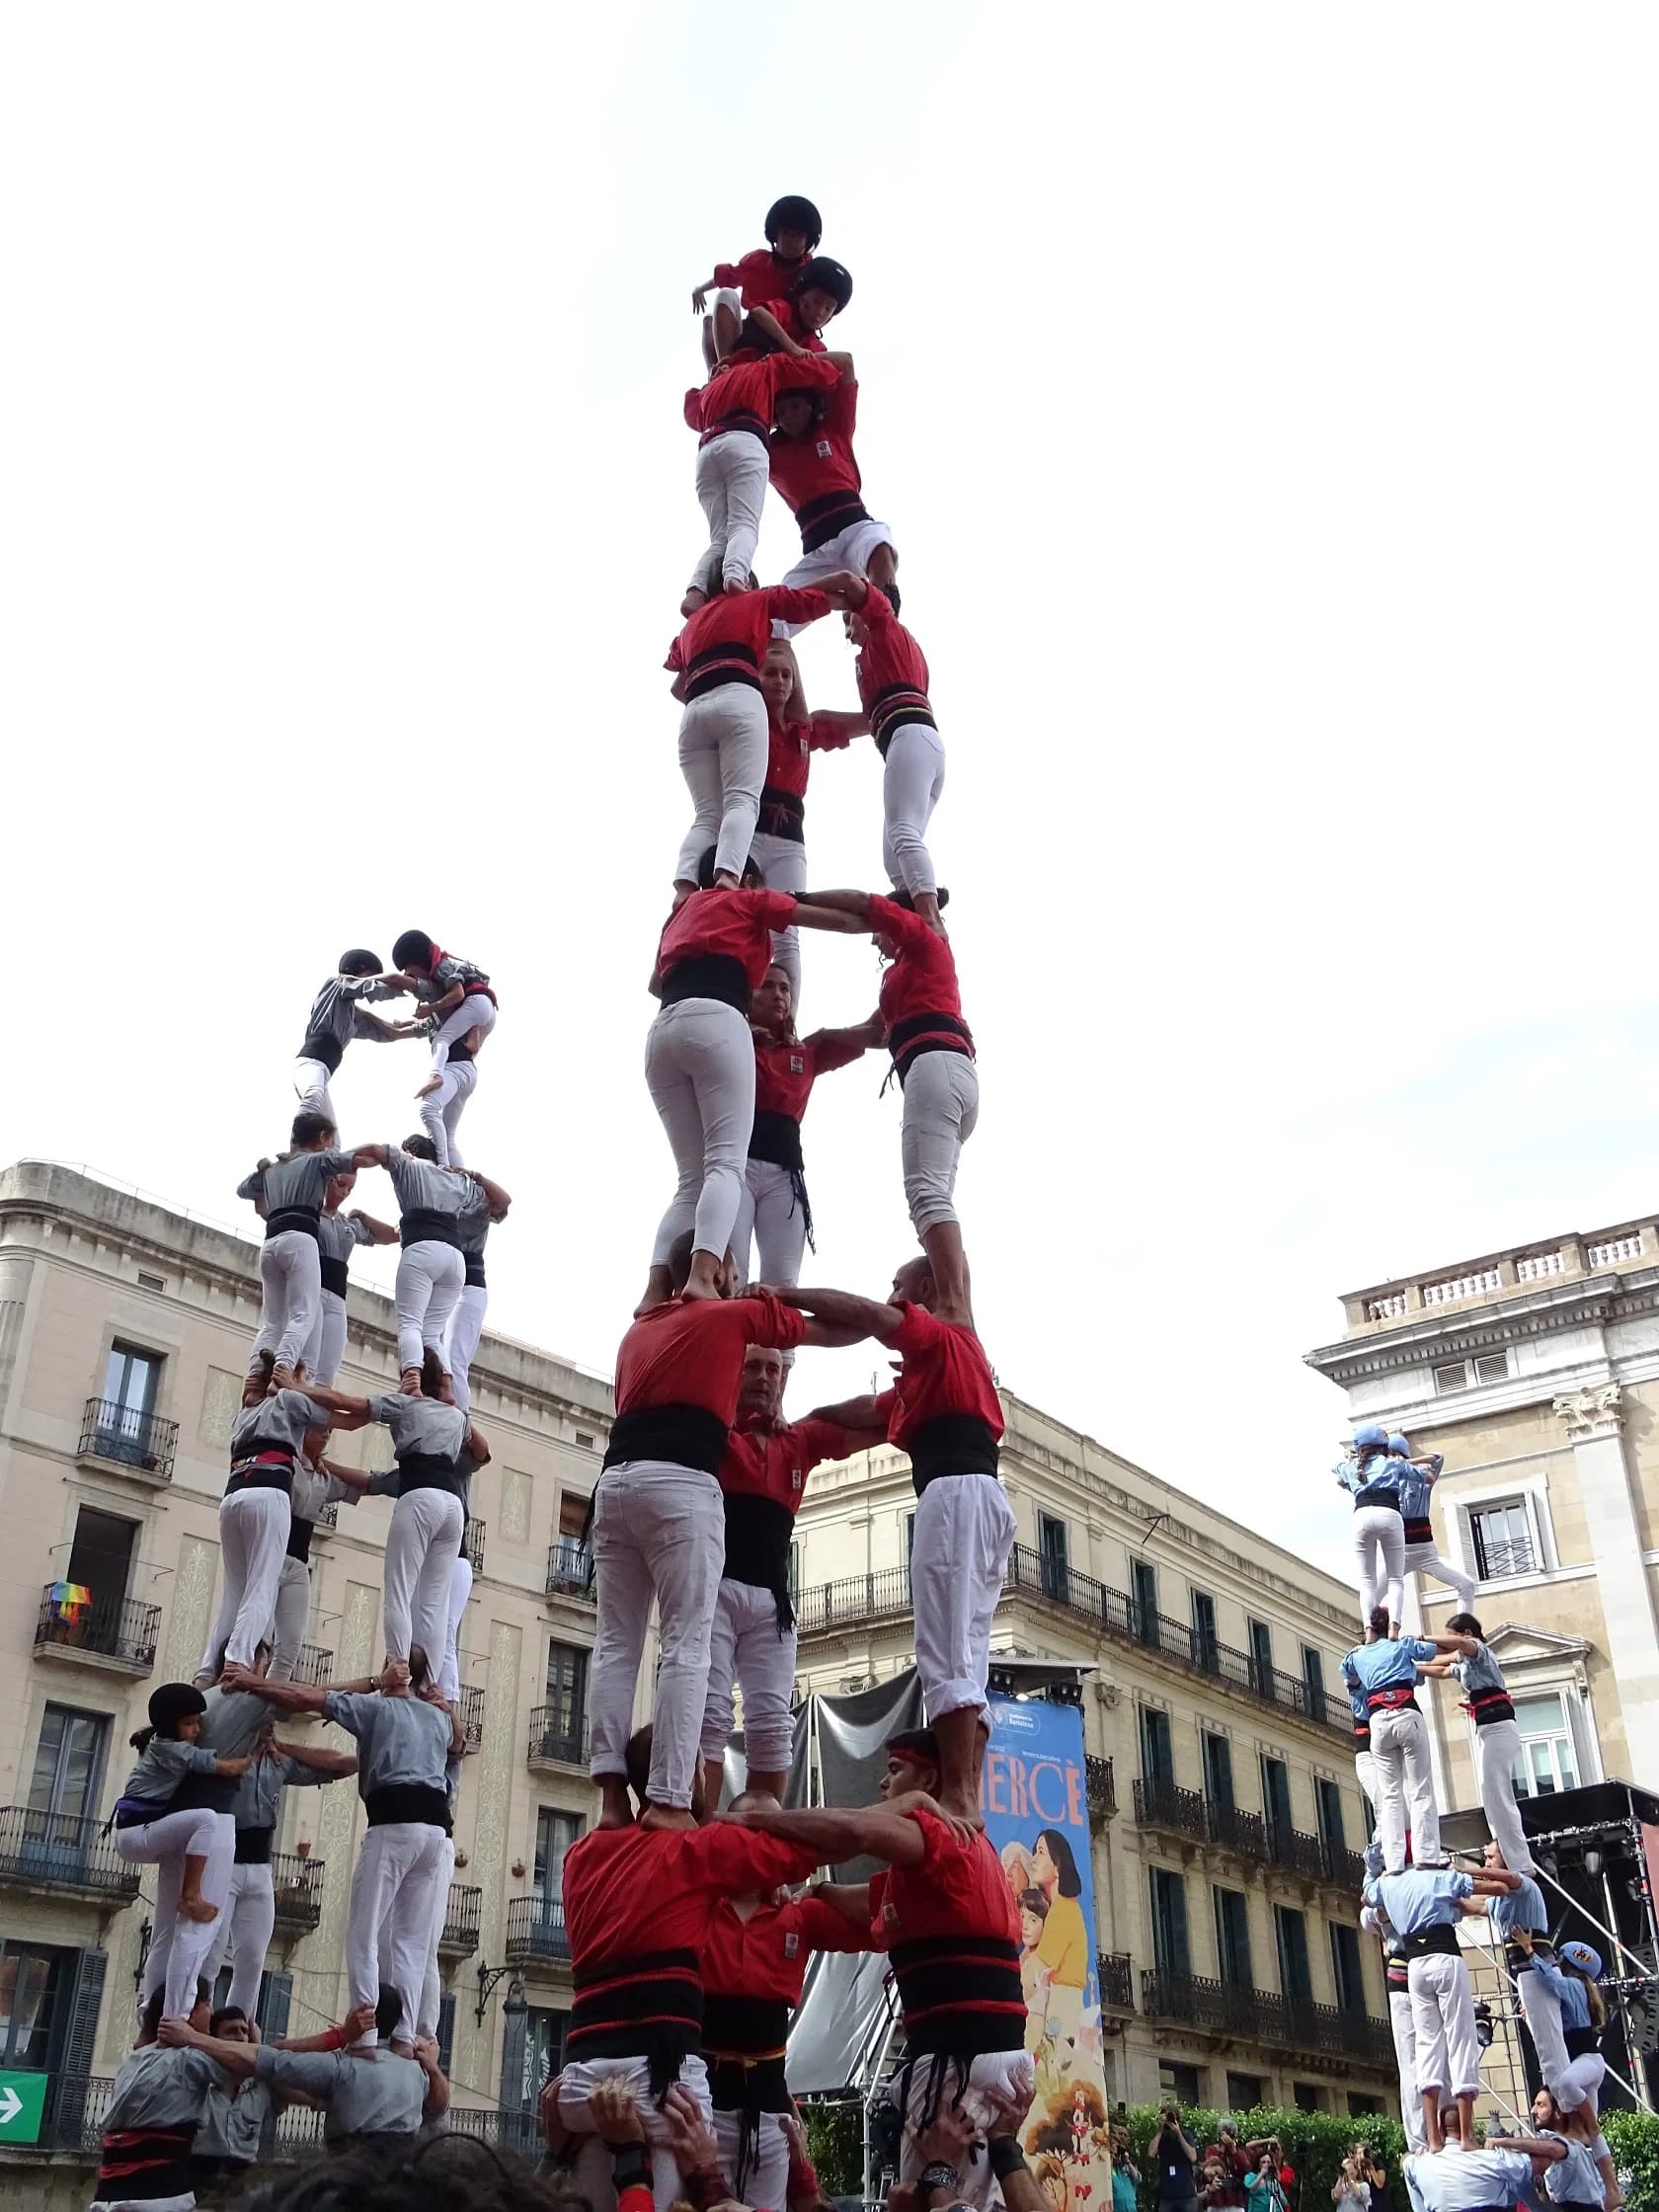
162 1764
161 2088
258 1794
339 1235
277 1423
302 1179
423 1187
337 1015
380 2095
232 2122
423 1425
399 1740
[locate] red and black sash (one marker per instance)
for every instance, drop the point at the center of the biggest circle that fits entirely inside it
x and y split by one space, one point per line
1399 1696
145 2162
960 1994
1488 1705
647 2006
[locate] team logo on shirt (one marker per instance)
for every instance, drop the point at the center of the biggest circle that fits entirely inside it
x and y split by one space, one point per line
792 1945
890 1913
824 449
797 1063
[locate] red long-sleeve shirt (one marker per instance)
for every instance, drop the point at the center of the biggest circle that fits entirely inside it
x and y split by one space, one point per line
732 925
784 1075
743 394
816 474
891 672
945 1371
726 641
759 277
774 1463
921 981
635 1889
693 1354
767 1955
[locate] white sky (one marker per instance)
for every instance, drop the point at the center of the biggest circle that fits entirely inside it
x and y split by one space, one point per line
1263 400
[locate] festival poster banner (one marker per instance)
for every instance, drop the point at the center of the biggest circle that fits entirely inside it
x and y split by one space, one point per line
1036 1813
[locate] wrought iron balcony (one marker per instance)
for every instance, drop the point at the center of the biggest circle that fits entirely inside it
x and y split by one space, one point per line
472 1543
1237 1831
125 1436
1159 1803
314 1666
536 1932
119 1631
62 1852
570 1570
558 1737
1265 2017
1117 1981
1505 1557
1164 1804
458 1938
296 1884
1345 1868
854 1601
1100 1788
472 1717
506 2129
1295 1852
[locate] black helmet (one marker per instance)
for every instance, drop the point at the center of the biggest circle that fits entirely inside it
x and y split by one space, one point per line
820 274
358 960
792 213
172 1701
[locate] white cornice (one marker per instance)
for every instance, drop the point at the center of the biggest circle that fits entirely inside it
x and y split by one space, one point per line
1546 1310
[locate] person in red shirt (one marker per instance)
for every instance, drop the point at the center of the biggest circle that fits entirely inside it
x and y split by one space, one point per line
754 1966
716 662
639 1903
815 473
659 1526
920 1017
778 846
944 1412
733 412
773 1211
699 1061
944 1915
762 1478
793 229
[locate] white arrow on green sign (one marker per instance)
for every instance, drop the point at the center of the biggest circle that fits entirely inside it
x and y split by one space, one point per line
23 2099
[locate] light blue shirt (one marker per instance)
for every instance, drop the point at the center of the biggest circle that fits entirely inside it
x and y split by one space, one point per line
1386 1665
1416 1485
1379 1474
1459 2181
1519 1908
1482 1672
1568 1989
1421 1898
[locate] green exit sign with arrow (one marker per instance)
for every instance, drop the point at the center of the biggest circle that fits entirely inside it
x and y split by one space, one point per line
23 2099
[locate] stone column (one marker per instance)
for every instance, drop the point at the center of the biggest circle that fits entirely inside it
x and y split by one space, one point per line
1595 1423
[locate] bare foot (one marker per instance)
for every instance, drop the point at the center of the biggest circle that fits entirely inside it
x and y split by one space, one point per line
409 1383
692 600
198 1908
695 1291
666 1816
736 583
282 1379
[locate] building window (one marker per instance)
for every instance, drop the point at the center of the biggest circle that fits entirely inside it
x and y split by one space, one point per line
1232 1938
1329 1798
1170 1954
1363 2106
1295 1978
1051 1539
1143 1592
1218 1771
1185 2084
132 1384
1502 1538
555 1834
1309 2098
566 1713
446 2030
543 2056
910 1538
1275 1797
1244 2091
583 1442
1468 1374
1313 1680
101 1557
1546 1761
1206 1643
1157 1751
68 1777
1345 1967
34 1987
1261 1658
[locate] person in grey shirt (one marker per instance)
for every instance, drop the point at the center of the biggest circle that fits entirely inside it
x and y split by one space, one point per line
372 2099
338 1015
440 1209
268 1441
154 2112
289 1191
234 2114
339 1234
458 1009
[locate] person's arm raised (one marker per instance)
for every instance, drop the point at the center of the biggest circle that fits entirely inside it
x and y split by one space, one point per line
866 1831
861 1413
235 2058
845 1310
288 1697
764 320
380 1232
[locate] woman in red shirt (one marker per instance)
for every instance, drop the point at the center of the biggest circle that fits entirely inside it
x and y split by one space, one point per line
699 1061
773 1210
778 846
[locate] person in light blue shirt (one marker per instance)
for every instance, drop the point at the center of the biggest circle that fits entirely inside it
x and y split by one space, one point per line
1571 1977
1586 2176
1416 1480
1379 1530
1383 1670
1470 2177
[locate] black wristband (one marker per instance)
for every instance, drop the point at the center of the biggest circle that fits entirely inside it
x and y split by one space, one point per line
1006 2156
630 2165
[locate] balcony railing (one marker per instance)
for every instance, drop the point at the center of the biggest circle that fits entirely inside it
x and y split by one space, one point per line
1116 1980
1499 1561
329 1516
314 1666
129 1438
296 1884
1159 1803
1099 1786
860 1600
569 1570
536 1932
558 1734
519 2132
461 1919
118 1628
472 1717
1265 2017
77 2105
61 1850
1296 1851
1162 1804
472 1543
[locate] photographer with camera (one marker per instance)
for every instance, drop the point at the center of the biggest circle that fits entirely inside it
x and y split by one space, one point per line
1175 2155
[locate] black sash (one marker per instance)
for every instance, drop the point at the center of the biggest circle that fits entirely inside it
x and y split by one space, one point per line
721 664
429 1471
1487 1706
782 815
1394 1698
904 704
707 974
460 1054
424 1226
474 1271
409 1801
757 1538
776 1137
323 1046
203 1794
686 1436
299 1538
1581 2042
740 419
141 2163
952 1443
1378 1493
828 516
960 1994
306 1219
649 2005
917 1034
1419 1531
271 1468
252 1846
335 1277
1439 1940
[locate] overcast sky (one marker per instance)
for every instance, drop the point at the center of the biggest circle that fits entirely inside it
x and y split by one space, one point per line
1263 402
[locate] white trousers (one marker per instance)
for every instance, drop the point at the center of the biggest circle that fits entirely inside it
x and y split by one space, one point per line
782 862
290 1269
311 1088
723 759
466 1326
699 1067
941 1108
590 2176
912 778
254 1528
1542 2010
400 1882
770 1217
1399 1750
477 1011
765 2181
179 1948
996 2096
659 1529
732 473
1497 1746
746 1649
1443 2025
1405 2058
421 1550
429 1281
851 548
243 1933
441 1109
431 1997
325 1347
460 1590
963 1535
290 1618
1364 1774
1425 1558
1380 1550
1581 2082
